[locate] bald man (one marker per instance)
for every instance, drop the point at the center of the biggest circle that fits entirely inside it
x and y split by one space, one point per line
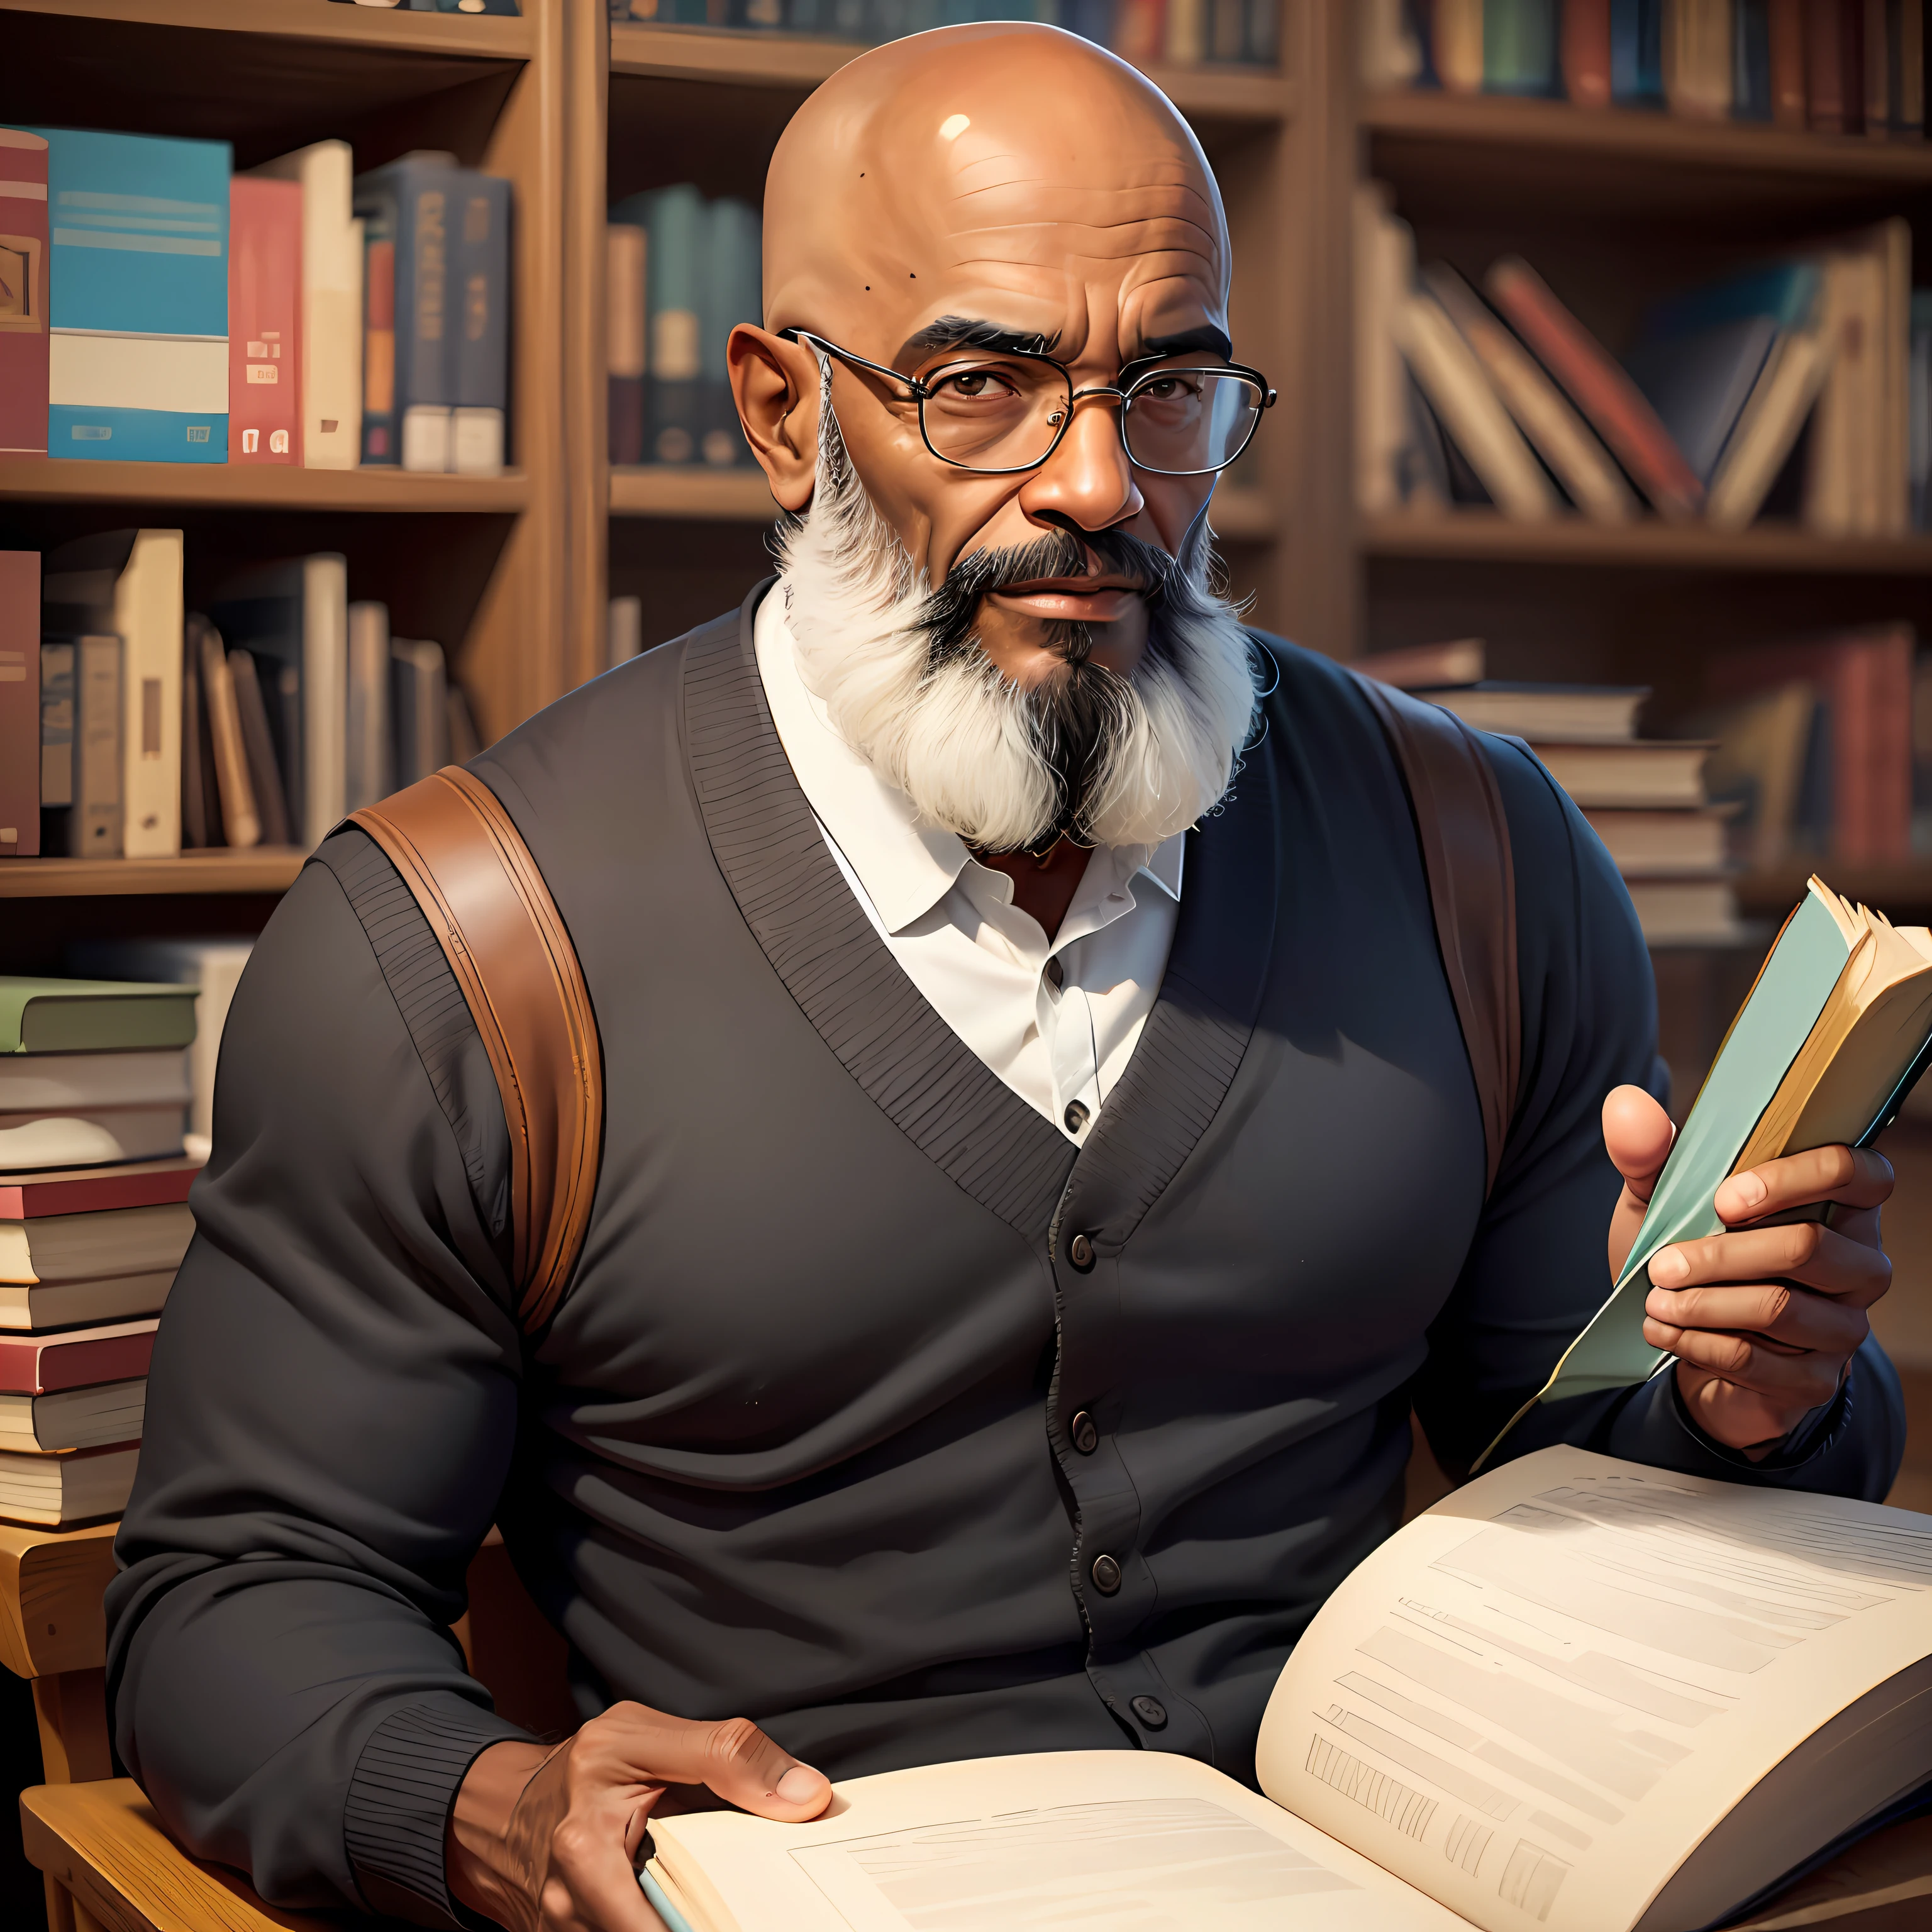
1041 1165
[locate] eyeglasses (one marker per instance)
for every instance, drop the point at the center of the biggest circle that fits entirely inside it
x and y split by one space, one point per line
1001 413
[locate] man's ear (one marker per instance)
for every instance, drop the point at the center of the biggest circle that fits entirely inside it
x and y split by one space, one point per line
774 384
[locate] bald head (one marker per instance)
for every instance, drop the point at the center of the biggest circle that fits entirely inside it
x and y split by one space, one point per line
1005 174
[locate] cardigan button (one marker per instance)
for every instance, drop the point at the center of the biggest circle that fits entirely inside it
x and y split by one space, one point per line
1077 1116
1080 1253
1082 1433
1151 1710
1106 1575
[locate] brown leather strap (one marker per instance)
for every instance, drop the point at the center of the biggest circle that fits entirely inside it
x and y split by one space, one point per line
463 858
1465 852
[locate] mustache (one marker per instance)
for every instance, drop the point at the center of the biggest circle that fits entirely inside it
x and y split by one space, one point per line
947 614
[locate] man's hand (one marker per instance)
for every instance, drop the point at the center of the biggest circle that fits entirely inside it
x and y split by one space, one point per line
1763 1320
545 1841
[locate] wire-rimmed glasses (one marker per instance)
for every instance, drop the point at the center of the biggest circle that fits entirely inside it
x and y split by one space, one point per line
1001 412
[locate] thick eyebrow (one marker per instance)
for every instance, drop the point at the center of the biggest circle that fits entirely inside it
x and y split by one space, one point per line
966 332
1206 337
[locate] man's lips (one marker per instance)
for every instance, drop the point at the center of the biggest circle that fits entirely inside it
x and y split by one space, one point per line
1093 600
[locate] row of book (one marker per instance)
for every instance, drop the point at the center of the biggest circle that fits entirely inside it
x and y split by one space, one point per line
1839 66
509 7
1179 33
1797 384
131 727
681 272
1645 798
154 306
95 1168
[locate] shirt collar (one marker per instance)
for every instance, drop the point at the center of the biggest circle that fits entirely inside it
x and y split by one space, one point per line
906 868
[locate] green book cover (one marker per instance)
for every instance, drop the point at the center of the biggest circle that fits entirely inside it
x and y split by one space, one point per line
93 1016
1784 1006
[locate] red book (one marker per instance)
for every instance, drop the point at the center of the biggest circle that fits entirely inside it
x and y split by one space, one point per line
19 699
1786 23
264 319
23 293
1864 681
1598 386
84 1190
1824 65
1586 52
39 1364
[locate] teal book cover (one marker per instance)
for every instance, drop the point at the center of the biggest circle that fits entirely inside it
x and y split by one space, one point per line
138 297
1519 45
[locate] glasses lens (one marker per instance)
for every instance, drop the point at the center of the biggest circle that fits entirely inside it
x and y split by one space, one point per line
1185 421
995 412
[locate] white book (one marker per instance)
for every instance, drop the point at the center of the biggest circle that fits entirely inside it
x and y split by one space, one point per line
82 1486
624 634
107 1242
1461 395
1384 267
91 1137
78 1418
148 615
367 772
1781 401
215 966
1657 844
1686 912
53 1083
35 1307
1577 1693
331 414
1561 437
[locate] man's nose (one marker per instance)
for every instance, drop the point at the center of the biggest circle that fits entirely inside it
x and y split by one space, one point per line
1088 481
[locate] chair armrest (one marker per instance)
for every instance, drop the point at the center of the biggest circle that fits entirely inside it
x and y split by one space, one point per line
51 1584
104 1843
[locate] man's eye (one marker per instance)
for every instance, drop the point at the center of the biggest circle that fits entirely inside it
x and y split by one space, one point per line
975 385
1165 389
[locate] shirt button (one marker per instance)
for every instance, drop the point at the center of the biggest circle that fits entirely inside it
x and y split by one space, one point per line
1082 1433
1077 1116
1106 1575
1151 1710
1056 972
1080 1253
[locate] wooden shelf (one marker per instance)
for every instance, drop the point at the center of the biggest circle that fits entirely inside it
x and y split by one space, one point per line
487 36
1627 134
266 487
797 63
270 868
710 496
1481 536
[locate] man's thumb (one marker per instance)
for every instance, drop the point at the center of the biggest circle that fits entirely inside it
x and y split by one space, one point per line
1637 1135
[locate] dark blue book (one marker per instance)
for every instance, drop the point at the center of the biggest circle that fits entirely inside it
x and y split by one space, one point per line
481 384
1699 384
1750 60
1637 52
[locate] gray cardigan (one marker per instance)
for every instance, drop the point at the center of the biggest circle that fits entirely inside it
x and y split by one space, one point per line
800 1443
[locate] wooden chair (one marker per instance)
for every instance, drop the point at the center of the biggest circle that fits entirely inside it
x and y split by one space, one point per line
110 1866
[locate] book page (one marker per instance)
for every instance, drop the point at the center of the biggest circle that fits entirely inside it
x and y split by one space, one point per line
1535 1701
1117 1841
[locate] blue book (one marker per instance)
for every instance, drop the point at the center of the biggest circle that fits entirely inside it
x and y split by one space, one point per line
1519 44
1750 60
733 291
1786 292
1637 52
1699 383
676 226
481 382
138 297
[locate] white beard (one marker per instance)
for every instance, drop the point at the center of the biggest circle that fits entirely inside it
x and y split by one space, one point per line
969 747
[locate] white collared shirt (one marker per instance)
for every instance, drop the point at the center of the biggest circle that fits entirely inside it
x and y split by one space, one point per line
981 962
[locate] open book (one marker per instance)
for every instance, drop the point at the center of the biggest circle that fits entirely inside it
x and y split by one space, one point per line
1577 1693
1836 1031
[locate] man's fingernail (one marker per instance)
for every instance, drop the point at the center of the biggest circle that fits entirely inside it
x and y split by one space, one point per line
1746 1189
799 1785
1668 1265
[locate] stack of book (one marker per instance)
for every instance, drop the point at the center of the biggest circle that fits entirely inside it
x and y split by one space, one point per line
1838 67
130 727
93 1221
1644 797
1176 33
682 272
239 334
1499 395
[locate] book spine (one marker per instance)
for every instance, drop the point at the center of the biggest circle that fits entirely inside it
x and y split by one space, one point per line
1186 32
1227 32
138 353
194 802
481 326
731 293
265 321
331 323
19 703
419 709
380 445
1908 69
1890 806
367 729
1263 44
1520 46
325 694
678 222
1586 52
424 208
148 613
625 267
1141 31
1697 58
57 717
94 825
1607 396
1751 61
1785 32
23 293
1825 105
1637 52
241 820
266 775
1458 41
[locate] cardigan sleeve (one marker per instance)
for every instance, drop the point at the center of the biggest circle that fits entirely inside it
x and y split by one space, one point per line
331 1415
1536 1271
